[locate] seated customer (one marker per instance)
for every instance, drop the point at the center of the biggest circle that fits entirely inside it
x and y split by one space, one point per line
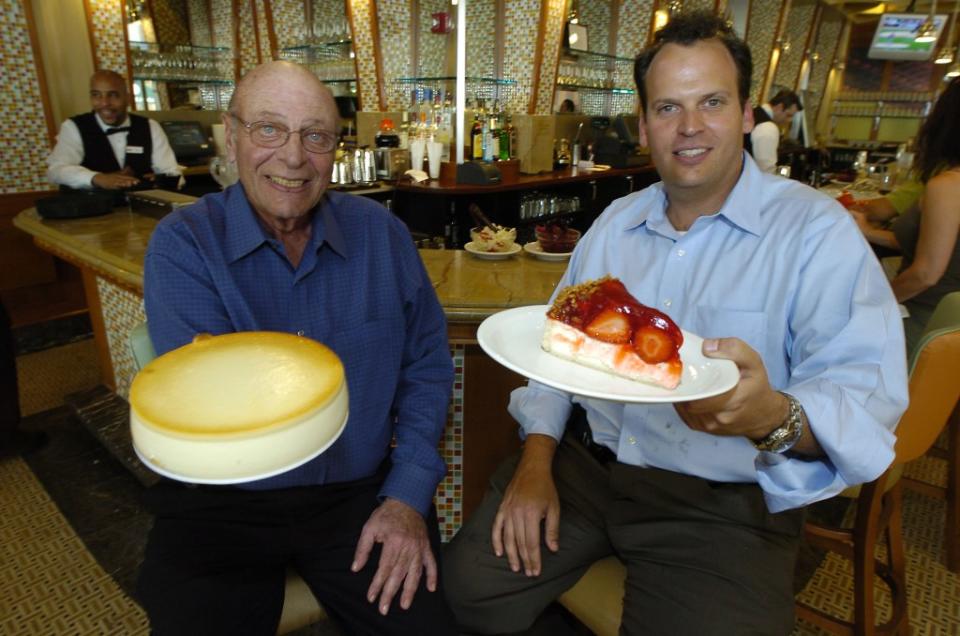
108 148
277 252
702 500
881 211
927 233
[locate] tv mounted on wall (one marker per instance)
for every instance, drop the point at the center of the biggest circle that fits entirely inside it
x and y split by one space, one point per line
895 36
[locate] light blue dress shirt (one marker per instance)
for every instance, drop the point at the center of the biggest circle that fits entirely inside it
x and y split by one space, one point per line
360 288
784 268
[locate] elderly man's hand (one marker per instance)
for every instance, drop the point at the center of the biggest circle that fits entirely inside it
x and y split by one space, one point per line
752 408
114 180
405 554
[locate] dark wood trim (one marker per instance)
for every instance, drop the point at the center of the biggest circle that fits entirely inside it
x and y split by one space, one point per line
538 58
236 40
377 57
210 24
93 41
255 18
814 30
653 21
271 33
769 73
41 74
126 50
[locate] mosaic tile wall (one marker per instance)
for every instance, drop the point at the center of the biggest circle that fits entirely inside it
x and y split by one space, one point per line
362 12
288 22
248 45
828 40
200 33
394 24
448 498
481 38
431 55
108 35
692 5
799 25
263 31
552 36
521 22
122 311
222 12
23 125
761 33
595 15
632 33
170 22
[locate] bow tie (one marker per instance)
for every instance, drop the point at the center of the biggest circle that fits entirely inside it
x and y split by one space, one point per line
119 129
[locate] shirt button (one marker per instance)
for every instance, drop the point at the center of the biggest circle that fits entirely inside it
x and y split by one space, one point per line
632 440
667 302
681 252
300 333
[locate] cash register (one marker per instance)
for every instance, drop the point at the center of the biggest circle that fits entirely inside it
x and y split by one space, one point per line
189 142
617 146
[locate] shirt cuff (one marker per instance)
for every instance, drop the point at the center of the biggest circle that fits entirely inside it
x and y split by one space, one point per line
411 484
540 410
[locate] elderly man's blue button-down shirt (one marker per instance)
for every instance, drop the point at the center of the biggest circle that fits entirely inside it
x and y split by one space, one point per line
785 269
360 288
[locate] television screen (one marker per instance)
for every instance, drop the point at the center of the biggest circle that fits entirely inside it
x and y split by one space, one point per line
187 139
896 33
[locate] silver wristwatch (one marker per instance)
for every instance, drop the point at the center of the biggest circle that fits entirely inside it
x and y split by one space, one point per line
783 438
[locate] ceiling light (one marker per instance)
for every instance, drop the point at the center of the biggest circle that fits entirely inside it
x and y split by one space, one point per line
928 30
953 71
945 56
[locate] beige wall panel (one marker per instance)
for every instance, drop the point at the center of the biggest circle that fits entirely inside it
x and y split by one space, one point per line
67 61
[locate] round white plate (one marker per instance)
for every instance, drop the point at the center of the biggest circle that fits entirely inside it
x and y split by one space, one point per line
533 248
492 256
192 479
512 338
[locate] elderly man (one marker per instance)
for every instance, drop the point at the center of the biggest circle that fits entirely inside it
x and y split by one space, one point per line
277 252
108 148
703 499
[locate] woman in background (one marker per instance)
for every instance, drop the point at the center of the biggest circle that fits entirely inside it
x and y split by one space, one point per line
927 233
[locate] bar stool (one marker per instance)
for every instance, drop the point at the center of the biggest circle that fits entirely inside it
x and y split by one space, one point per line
300 606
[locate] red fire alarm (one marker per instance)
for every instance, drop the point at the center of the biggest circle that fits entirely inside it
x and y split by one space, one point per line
442 23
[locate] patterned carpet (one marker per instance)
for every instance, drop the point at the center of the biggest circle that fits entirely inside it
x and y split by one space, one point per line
49 582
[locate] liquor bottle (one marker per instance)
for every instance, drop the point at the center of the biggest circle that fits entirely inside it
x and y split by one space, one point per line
404 132
506 147
476 138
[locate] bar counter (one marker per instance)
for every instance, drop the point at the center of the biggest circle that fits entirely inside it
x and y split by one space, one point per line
109 250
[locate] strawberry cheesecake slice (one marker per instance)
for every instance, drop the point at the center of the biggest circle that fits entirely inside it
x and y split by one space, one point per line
600 325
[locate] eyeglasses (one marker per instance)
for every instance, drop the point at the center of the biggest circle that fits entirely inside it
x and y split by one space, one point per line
268 134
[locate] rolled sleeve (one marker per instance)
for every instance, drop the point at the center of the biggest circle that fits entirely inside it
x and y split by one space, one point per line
540 410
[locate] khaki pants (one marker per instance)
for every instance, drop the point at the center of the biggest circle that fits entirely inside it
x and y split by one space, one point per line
702 557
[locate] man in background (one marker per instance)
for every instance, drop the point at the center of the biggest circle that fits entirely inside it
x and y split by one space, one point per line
108 148
764 140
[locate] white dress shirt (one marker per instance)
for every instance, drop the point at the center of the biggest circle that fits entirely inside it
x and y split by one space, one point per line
766 139
63 164
785 269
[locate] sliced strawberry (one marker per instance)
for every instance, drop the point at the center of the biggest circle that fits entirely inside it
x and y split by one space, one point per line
610 326
653 345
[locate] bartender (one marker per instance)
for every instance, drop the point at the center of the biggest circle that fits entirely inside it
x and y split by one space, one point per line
109 148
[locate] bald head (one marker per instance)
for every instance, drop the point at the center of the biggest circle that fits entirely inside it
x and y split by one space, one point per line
108 96
285 75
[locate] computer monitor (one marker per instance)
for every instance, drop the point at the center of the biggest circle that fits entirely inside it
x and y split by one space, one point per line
188 139
895 37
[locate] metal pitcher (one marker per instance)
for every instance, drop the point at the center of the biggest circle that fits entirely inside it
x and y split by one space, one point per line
357 166
369 166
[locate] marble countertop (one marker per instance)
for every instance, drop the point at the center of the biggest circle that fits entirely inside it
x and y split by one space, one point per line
469 289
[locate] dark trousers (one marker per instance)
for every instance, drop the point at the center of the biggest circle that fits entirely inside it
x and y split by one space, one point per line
701 557
9 398
216 557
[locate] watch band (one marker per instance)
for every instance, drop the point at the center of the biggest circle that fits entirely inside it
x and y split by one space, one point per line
785 436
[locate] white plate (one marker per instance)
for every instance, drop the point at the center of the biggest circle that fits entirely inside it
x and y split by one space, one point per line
512 338
492 256
533 248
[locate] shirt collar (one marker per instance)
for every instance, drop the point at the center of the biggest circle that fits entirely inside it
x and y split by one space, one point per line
244 233
105 126
741 207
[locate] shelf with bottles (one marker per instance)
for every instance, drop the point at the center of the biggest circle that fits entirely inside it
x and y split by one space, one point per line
181 62
412 89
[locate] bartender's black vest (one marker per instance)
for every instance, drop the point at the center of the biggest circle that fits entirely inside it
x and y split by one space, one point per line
759 116
98 154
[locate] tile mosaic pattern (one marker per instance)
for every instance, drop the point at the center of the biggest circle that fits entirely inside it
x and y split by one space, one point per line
248 45
799 25
367 80
170 22
551 37
448 498
595 15
521 25
828 41
122 310
692 5
481 38
222 12
263 31
632 34
200 33
23 126
394 22
288 22
431 56
108 35
761 33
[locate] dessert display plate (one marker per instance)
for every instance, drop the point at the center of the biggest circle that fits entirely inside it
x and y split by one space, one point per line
491 256
533 249
512 338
